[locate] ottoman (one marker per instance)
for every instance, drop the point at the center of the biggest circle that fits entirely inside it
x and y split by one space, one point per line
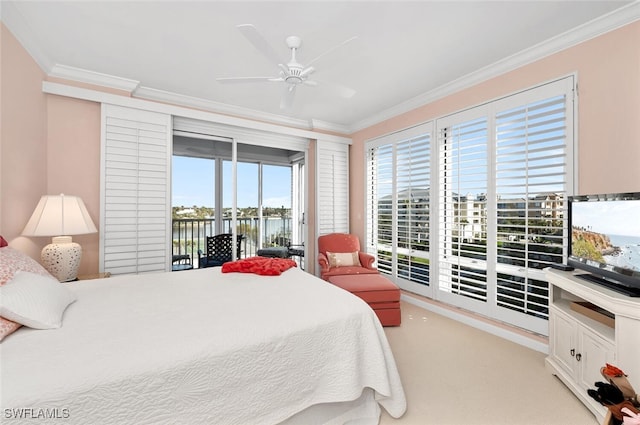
382 295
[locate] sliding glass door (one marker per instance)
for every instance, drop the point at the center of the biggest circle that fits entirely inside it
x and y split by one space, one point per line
193 208
208 200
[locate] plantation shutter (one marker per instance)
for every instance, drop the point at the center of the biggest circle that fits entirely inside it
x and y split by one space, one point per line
531 166
504 172
332 187
380 205
462 192
412 207
398 208
135 215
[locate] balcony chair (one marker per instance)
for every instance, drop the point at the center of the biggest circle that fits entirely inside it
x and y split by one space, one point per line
219 250
344 265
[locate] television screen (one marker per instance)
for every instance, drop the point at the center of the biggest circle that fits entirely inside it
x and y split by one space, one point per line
605 236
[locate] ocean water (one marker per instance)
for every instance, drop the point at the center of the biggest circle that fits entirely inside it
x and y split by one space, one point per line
629 257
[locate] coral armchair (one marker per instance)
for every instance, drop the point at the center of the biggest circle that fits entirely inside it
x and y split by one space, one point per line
339 254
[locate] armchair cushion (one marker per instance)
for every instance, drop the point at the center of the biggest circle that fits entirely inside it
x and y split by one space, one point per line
343 259
340 271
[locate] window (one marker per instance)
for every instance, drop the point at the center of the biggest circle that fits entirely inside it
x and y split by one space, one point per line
504 173
277 189
398 193
530 185
202 208
462 195
472 218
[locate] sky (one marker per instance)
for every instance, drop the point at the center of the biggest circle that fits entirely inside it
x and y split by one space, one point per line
194 184
611 218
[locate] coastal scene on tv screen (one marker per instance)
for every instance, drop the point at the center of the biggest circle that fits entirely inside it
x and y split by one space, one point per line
607 233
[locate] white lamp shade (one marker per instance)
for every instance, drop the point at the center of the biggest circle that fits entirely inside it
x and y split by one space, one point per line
59 215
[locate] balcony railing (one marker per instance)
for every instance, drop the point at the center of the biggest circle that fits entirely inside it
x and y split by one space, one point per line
190 234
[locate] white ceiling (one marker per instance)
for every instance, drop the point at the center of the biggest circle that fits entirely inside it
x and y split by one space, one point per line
405 51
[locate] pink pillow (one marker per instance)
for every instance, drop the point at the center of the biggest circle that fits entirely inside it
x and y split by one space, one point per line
12 261
343 259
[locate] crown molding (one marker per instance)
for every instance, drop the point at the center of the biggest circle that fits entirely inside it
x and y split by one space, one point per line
328 126
15 22
149 93
184 111
606 23
92 77
12 17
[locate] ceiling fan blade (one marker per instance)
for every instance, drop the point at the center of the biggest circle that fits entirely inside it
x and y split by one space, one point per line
249 80
336 89
307 71
251 33
286 103
332 49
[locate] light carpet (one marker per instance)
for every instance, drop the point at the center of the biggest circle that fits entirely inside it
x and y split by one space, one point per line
455 374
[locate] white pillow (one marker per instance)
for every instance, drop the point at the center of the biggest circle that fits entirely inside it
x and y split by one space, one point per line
343 259
34 300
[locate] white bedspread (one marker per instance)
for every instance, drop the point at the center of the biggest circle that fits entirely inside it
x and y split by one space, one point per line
200 347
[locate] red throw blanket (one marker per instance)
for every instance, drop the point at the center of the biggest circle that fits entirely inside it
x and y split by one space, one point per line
259 265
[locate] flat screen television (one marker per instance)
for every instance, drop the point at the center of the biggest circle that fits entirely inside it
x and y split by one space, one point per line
605 240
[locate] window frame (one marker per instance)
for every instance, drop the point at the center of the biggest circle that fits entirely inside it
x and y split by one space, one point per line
424 130
565 86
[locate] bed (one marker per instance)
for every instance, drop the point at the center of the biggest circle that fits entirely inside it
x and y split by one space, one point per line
204 347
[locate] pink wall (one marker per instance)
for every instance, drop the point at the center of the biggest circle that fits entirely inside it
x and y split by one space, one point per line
73 163
608 75
23 142
48 145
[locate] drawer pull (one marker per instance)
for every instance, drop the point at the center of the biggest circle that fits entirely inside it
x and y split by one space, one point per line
578 356
573 352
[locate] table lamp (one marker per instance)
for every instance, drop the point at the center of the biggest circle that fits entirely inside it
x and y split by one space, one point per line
60 216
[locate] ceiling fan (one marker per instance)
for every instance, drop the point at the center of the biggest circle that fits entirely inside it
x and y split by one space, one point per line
292 73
